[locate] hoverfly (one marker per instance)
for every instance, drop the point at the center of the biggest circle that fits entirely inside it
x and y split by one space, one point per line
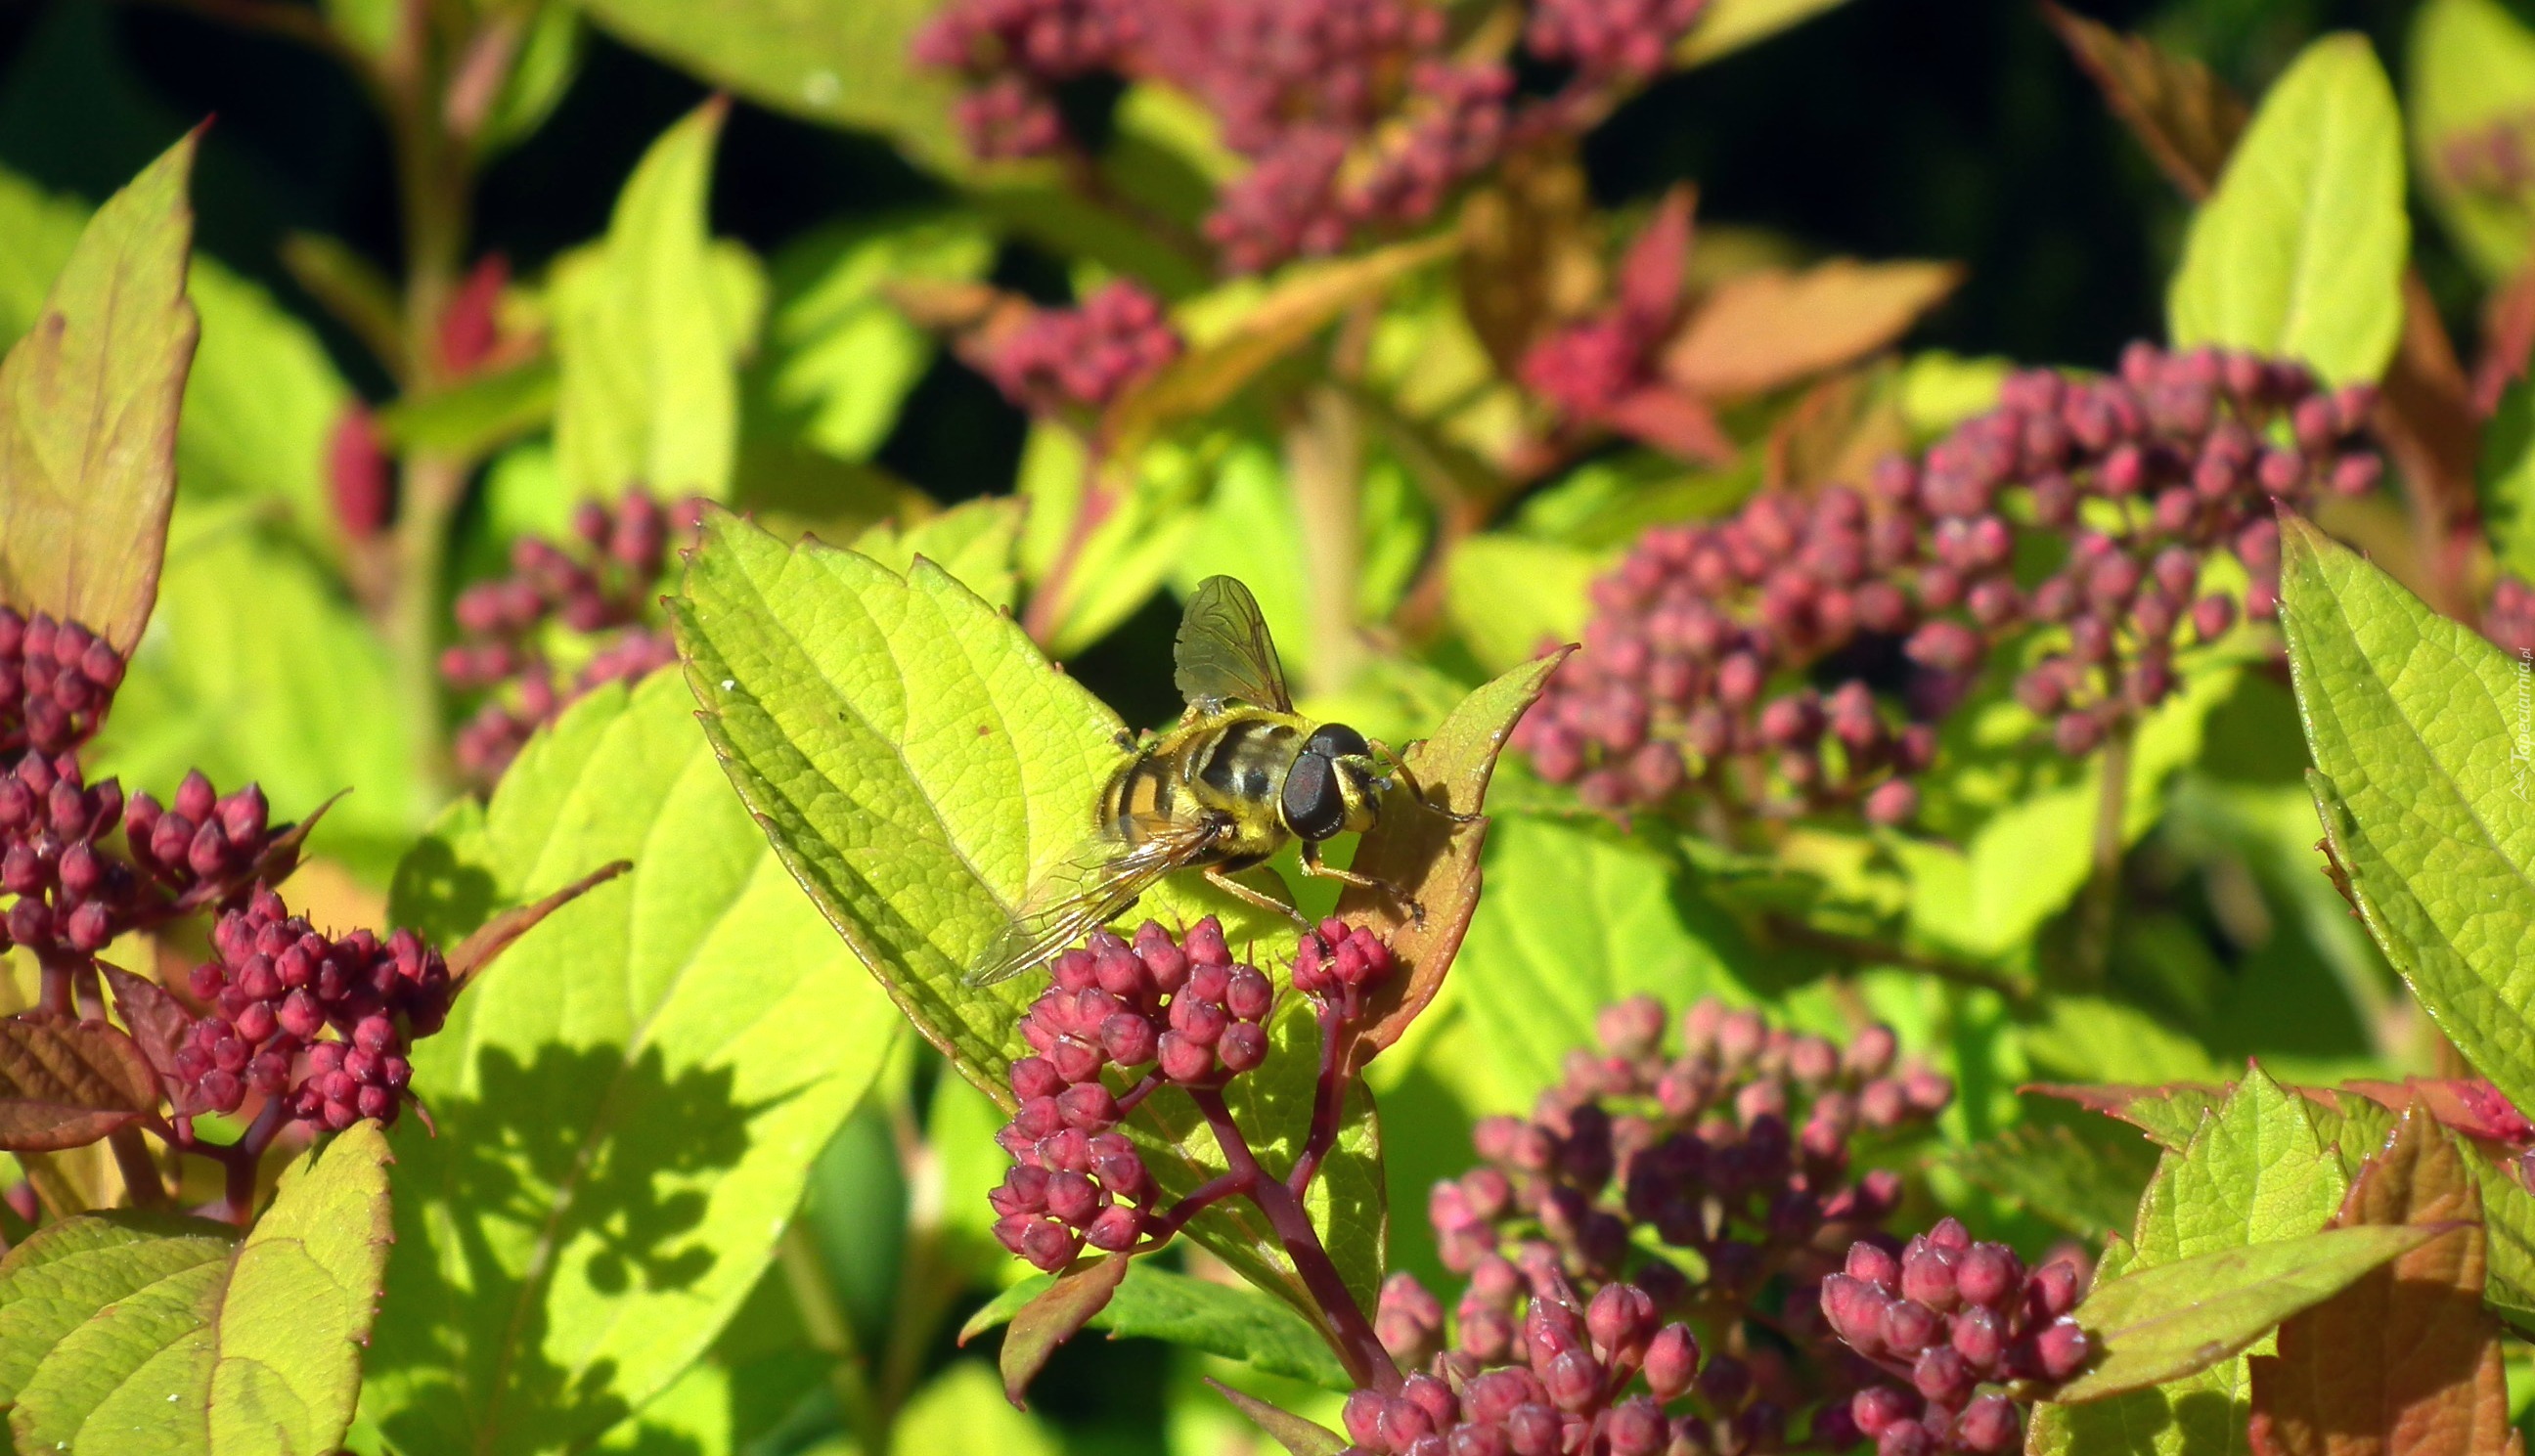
1222 790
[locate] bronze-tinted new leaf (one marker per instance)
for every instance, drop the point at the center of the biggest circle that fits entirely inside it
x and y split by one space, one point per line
160 1025
2404 1362
495 935
66 1084
1760 330
1056 1317
2186 117
1297 1435
88 413
1432 858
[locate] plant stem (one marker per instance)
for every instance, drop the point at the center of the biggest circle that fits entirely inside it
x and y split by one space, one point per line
241 1159
1324 462
1863 951
1329 1098
805 1274
59 1196
1349 1333
140 1172
2103 891
1099 501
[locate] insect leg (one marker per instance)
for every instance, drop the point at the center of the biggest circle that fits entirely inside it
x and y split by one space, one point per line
1313 866
1418 791
1241 892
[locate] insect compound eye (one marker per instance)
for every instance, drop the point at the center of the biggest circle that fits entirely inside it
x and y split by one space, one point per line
1337 741
1312 805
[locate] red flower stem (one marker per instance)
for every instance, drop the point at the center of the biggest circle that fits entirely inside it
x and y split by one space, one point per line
243 1158
1128 1099
1349 1333
54 993
1098 501
1176 1218
1328 1100
140 1172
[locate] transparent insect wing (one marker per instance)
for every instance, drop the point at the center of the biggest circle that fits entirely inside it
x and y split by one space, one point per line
1095 881
1224 653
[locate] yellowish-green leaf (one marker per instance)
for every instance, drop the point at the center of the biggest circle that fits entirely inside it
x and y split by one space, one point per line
648 330
628 1098
176 1336
88 413
1727 26
2470 91
2301 251
2419 730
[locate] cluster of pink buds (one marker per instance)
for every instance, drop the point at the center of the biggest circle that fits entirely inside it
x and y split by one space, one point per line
1015 53
1695 674
1161 1011
593 596
1084 358
1610 40
276 988
56 678
1575 1389
1717 669
1954 1321
2510 618
1738 1148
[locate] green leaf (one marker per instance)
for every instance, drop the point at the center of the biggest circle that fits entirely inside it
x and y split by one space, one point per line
247 674
2162 1323
1727 26
1508 595
2258 1171
974 541
647 332
2472 70
628 1100
1219 1319
66 1084
89 402
475 416
1575 917
1297 1435
2300 250
1152 514
2088 1185
2504 480
913 757
844 65
839 357
2171 1116
175 1336
2419 731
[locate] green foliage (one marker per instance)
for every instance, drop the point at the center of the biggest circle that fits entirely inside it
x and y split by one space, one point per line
139 1332
2254 1175
2161 1323
88 413
2300 250
1219 1319
2472 67
649 329
626 1102
2418 728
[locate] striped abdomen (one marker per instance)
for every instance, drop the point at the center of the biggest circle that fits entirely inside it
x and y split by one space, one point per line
1232 765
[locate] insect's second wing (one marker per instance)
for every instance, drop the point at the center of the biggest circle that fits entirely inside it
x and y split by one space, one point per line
1095 881
1224 653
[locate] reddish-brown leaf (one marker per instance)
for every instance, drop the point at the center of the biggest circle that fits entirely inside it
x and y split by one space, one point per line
2471 1106
2403 1362
470 955
65 1083
1300 1436
1057 1315
2507 338
1650 273
2426 416
2186 117
1836 432
158 1024
88 413
1431 859
1674 422
1760 330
